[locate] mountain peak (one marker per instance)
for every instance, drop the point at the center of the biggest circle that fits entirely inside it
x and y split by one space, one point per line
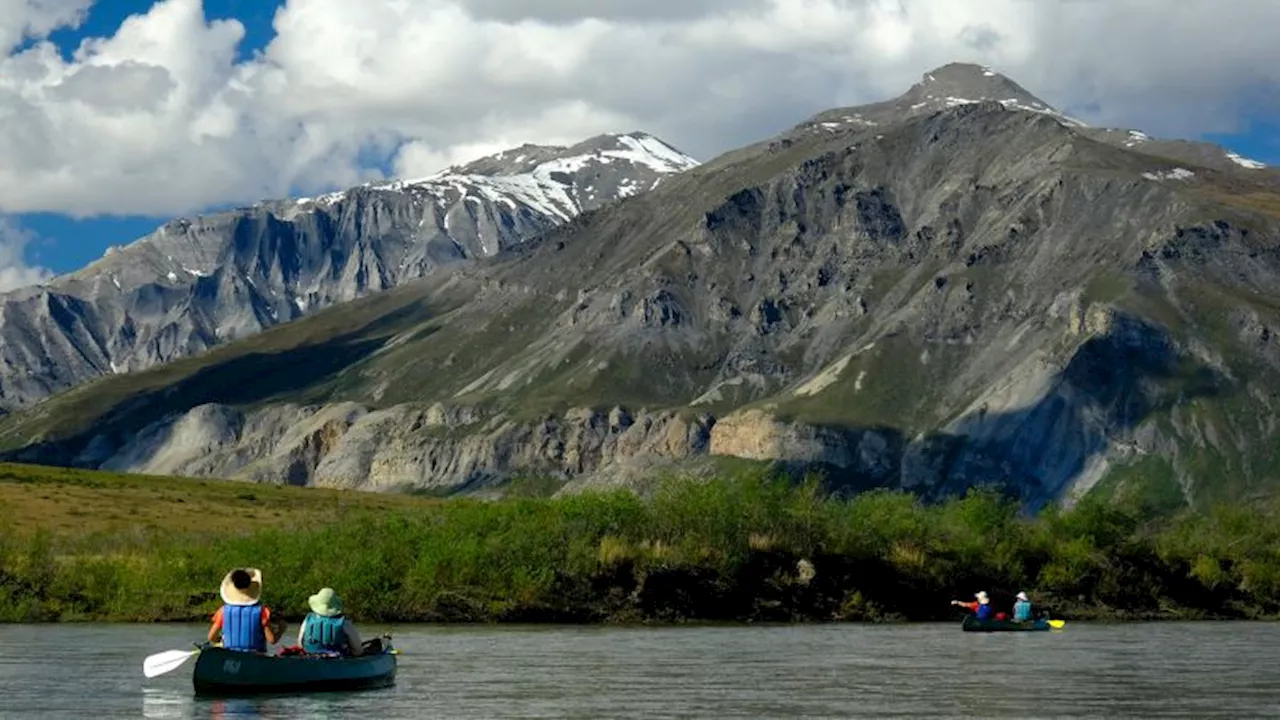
962 72
556 181
553 179
944 87
962 83
636 147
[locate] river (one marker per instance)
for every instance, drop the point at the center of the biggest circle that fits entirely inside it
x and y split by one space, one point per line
1200 670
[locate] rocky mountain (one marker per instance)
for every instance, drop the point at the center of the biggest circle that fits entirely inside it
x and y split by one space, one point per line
972 290
198 282
959 84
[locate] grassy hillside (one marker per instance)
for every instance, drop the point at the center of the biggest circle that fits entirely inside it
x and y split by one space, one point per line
75 504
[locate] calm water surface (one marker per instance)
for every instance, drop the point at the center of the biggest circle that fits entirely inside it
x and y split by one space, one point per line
1200 670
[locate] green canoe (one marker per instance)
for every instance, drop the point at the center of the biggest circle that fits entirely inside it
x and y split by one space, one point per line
972 624
229 672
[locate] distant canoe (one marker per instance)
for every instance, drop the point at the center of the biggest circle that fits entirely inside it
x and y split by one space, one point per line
972 624
229 672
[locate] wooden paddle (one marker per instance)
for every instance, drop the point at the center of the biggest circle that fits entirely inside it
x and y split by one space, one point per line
161 663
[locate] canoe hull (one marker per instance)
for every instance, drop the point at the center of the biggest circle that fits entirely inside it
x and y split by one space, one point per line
228 672
972 624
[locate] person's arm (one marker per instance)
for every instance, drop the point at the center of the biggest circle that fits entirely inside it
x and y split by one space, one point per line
353 636
215 628
268 628
302 630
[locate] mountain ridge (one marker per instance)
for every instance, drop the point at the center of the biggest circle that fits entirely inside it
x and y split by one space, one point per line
201 281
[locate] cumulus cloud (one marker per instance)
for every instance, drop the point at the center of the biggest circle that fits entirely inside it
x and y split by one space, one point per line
162 118
14 270
22 19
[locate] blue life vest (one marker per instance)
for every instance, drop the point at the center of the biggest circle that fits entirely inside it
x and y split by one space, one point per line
1022 611
983 612
242 628
323 634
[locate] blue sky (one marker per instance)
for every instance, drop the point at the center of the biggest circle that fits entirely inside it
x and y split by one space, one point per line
65 243
106 15
346 127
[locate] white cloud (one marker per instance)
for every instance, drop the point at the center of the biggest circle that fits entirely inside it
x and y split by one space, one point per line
22 19
14 270
161 118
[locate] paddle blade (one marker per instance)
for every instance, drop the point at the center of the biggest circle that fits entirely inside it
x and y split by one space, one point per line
161 663
1057 624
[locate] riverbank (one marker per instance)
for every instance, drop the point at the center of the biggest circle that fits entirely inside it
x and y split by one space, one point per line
746 547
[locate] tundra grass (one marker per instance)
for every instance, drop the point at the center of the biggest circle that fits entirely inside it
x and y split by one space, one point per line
72 504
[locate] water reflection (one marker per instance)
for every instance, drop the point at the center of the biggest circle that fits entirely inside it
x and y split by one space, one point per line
239 707
174 703
163 703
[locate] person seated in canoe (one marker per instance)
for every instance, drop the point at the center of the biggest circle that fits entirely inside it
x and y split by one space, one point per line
326 630
1021 608
981 608
243 622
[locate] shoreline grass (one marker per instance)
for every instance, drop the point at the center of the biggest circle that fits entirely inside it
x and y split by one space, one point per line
733 548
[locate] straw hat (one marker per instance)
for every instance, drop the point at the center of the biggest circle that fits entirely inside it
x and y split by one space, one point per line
247 593
326 603
1022 596
981 595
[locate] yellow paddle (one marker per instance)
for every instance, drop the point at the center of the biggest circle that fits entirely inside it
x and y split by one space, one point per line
1057 624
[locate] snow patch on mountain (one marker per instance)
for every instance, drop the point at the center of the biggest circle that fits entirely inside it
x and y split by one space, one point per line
545 187
1245 162
1016 104
1174 174
1136 137
649 150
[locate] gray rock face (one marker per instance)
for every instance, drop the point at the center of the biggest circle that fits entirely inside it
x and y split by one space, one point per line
199 282
932 297
435 448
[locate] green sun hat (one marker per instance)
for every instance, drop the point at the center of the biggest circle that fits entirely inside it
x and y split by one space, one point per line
326 603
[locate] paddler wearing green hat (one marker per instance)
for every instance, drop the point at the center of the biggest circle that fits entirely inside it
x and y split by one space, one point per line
326 629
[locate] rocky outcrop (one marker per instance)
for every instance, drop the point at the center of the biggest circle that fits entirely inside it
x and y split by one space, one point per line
433 448
757 435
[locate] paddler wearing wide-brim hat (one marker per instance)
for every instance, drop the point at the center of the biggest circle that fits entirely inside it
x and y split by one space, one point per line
243 622
242 586
981 607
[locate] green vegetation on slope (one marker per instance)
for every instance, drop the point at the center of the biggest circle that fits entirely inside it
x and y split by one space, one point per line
82 505
724 549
